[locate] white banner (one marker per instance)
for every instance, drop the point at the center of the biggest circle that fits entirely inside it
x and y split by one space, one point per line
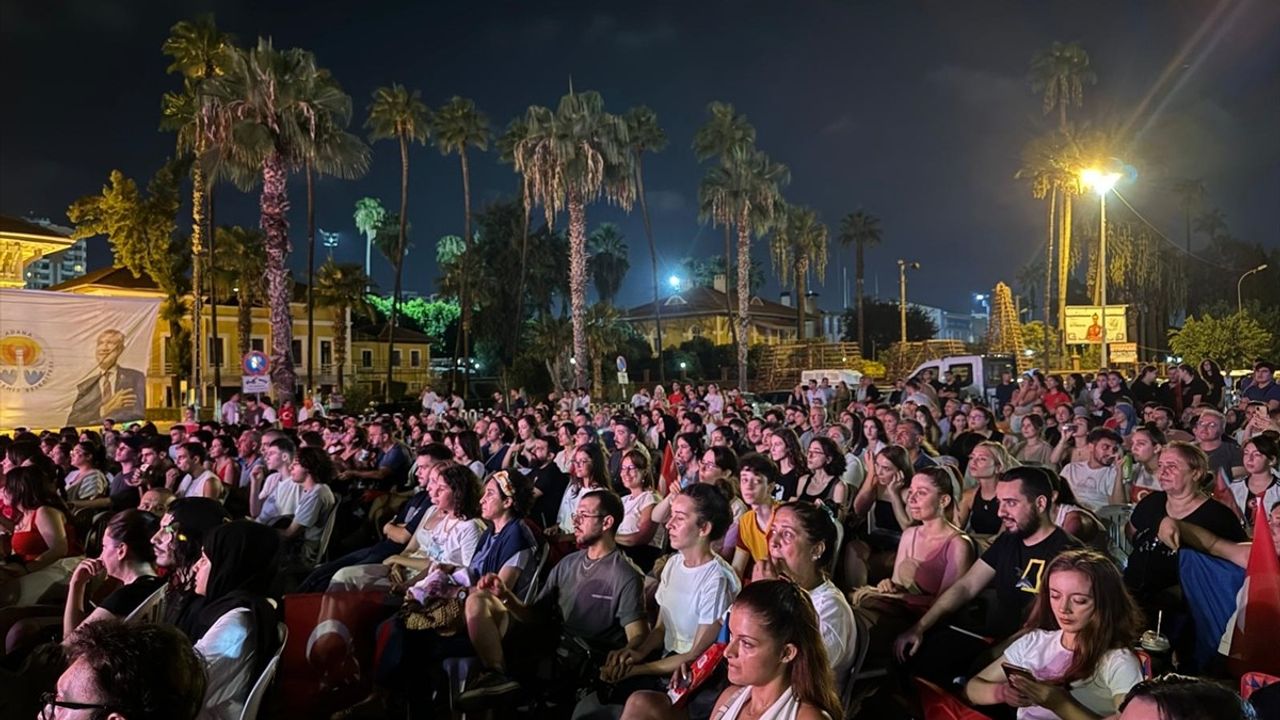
1084 324
69 359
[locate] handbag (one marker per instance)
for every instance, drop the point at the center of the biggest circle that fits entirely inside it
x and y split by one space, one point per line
445 616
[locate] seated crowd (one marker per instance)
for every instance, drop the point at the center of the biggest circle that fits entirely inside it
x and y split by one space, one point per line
681 555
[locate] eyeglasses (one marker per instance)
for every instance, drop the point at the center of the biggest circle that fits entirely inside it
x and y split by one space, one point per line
50 701
581 461
628 468
578 516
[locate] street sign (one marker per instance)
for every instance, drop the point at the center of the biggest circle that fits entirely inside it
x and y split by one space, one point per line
255 363
1124 352
255 384
622 364
623 379
1084 324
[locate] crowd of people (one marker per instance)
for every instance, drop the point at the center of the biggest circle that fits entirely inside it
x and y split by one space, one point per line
1045 552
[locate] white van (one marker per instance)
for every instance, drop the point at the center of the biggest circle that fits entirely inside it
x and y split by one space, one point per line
978 374
832 376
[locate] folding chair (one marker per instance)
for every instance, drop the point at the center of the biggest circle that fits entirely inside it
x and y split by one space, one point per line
254 702
149 610
1116 519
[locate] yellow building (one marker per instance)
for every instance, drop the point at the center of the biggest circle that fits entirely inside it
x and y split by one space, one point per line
22 243
366 355
700 312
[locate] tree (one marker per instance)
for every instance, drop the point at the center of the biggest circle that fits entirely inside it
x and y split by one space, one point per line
458 124
264 112
1233 341
1059 73
549 338
861 230
702 273
606 331
743 190
647 136
141 231
724 130
799 245
239 261
883 323
1212 224
1191 194
340 287
568 159
608 263
200 52
370 217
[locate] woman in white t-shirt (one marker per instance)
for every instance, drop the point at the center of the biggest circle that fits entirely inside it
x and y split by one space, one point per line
639 535
1074 660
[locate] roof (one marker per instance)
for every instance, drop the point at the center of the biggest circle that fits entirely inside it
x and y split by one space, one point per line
698 301
10 225
116 277
367 332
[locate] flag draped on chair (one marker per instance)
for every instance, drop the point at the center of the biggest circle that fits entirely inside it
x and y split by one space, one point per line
1253 638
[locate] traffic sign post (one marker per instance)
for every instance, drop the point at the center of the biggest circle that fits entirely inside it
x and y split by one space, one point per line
255 379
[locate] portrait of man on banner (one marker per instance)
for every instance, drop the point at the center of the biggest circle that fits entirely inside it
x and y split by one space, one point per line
110 391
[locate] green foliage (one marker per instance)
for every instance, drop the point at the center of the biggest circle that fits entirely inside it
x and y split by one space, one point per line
883 323
1233 341
370 217
608 264
434 318
702 273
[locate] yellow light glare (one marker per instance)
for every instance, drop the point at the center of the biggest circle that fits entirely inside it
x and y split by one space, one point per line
1101 182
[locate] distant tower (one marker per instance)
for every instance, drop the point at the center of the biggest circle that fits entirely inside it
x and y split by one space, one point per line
1004 333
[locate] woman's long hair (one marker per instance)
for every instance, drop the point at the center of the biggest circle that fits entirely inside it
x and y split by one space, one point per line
1116 620
786 612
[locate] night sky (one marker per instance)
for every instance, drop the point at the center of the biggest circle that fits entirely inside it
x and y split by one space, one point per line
915 112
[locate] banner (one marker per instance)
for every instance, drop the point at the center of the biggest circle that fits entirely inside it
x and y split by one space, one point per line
1084 324
69 359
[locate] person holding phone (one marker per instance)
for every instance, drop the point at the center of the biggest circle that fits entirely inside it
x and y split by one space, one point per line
1073 661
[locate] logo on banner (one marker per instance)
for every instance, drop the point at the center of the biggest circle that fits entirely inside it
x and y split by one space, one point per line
25 366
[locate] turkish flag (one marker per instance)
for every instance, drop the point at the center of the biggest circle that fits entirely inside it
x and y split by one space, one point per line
1258 620
669 474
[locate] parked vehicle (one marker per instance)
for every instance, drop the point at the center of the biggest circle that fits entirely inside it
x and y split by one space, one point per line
978 374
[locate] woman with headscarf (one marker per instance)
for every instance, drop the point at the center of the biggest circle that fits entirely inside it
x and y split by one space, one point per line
236 630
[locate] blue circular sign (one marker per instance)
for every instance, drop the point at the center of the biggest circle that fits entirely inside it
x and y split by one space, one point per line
255 363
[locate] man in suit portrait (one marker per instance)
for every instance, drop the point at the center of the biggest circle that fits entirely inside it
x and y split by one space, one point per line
110 391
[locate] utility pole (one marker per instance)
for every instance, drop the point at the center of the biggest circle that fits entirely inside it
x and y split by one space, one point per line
903 265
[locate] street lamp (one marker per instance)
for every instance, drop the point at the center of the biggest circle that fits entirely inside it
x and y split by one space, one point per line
1239 304
903 265
674 282
1101 182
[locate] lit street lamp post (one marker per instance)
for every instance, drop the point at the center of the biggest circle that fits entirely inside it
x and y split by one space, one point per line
1240 282
902 294
1101 182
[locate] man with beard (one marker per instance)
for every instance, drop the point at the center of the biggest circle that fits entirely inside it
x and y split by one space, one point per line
549 481
1013 567
1096 482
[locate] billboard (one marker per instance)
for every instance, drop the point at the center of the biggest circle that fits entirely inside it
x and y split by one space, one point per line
1084 324
70 359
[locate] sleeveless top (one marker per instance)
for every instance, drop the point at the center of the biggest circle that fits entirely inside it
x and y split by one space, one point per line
931 571
983 519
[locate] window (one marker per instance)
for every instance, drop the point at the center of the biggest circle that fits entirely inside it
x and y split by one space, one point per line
415 358
217 354
366 358
295 348
326 352
395 358
258 344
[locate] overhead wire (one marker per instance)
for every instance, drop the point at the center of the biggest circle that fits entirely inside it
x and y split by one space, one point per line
1175 245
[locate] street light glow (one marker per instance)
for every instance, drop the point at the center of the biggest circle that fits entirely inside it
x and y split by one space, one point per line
1101 182
674 281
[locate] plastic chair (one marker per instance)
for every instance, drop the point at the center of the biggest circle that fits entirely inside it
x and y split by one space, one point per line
254 702
148 611
535 580
938 704
1116 519
858 673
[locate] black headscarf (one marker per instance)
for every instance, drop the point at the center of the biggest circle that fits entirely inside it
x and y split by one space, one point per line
242 565
194 518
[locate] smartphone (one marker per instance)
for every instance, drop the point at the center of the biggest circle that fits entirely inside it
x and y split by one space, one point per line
1011 670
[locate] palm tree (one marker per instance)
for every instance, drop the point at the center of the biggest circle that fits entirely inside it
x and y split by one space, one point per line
239 260
396 114
1212 223
799 245
458 124
200 52
1191 194
370 217
724 130
605 332
647 136
861 230
548 337
336 153
264 113
569 158
609 263
743 190
340 287
1060 73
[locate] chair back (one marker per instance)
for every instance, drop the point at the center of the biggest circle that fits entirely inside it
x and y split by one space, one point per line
322 553
253 703
149 610
535 580
938 704
1116 518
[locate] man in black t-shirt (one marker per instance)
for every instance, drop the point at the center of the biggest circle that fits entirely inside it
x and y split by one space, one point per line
1194 390
1013 568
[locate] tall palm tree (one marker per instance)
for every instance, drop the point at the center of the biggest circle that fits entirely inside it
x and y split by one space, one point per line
725 129
1059 73
370 217
340 287
743 191
264 113
647 136
799 245
396 114
459 125
517 130
605 332
569 158
200 52
1211 223
861 230
547 337
335 153
609 263
239 260
1191 194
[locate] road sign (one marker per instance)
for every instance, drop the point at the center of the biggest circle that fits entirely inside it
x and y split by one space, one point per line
1124 352
622 364
623 379
255 363
255 384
